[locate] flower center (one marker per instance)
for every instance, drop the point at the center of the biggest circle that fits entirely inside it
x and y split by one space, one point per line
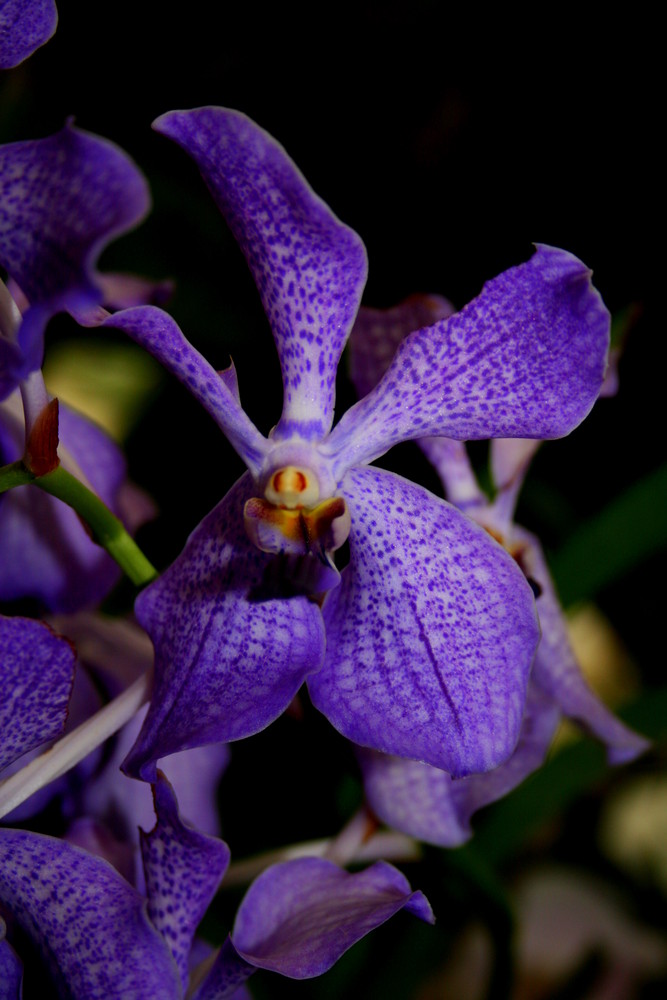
292 487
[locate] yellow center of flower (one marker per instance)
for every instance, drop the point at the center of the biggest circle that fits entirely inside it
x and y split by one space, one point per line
292 488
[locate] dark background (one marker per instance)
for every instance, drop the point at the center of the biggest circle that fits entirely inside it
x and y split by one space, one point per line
450 138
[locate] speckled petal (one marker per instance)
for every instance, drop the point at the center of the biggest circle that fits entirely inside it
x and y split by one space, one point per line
310 269
90 925
426 803
526 358
47 553
24 26
159 334
232 648
11 969
377 333
430 635
558 673
36 677
183 871
451 462
62 199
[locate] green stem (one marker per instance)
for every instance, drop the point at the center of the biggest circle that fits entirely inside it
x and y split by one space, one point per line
107 530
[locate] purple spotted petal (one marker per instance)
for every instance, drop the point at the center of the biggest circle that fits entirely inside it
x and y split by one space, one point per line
310 269
183 871
62 199
557 672
430 635
299 917
231 649
11 969
36 677
377 333
426 803
47 553
24 26
525 358
90 925
160 335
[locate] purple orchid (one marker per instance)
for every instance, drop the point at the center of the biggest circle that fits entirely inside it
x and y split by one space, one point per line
24 26
62 199
412 796
100 937
431 631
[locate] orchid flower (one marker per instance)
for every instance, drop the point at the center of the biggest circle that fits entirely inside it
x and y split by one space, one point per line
99 936
411 796
62 199
24 26
431 630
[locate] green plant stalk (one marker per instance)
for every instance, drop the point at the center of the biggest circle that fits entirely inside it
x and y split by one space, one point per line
107 530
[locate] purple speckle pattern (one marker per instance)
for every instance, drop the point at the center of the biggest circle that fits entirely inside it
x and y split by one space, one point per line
62 199
310 269
229 656
158 333
299 917
526 358
90 925
24 26
557 672
183 870
47 553
430 635
426 803
377 333
37 674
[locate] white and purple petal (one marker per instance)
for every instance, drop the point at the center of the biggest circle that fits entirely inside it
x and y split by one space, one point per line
526 358
430 635
310 269
232 647
62 199
24 26
36 678
183 870
160 335
557 672
91 926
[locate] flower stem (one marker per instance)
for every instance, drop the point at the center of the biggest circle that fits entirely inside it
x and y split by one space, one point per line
71 749
107 530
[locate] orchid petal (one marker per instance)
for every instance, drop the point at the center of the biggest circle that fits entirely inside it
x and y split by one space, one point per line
430 635
510 458
160 335
47 553
426 803
62 199
231 650
450 460
11 969
377 333
299 917
24 26
309 268
226 977
37 674
525 358
558 673
183 871
91 926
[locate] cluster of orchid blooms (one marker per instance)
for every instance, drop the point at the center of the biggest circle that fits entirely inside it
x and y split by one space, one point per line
440 650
